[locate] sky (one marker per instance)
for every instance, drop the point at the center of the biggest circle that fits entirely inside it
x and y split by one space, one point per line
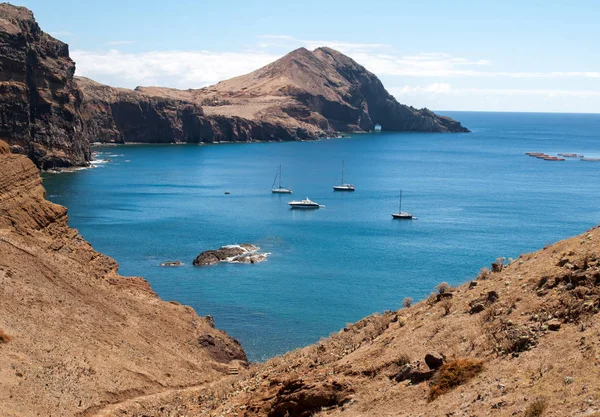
535 56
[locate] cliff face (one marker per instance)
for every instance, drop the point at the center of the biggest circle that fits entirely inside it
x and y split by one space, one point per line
124 116
74 334
39 102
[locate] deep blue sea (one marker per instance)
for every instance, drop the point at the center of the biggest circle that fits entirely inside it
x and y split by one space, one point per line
477 197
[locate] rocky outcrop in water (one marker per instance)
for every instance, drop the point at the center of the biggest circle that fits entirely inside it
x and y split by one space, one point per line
39 101
245 253
75 336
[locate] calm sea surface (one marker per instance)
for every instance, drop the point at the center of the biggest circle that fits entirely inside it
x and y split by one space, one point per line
477 197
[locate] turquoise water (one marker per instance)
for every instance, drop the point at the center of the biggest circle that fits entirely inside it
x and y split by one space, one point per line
477 197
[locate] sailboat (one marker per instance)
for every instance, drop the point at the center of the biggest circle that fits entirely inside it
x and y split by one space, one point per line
342 186
279 189
402 214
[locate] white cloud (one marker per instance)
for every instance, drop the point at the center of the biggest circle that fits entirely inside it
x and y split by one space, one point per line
177 69
115 43
444 96
381 59
444 88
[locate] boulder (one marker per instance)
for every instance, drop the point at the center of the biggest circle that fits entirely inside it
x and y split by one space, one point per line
414 372
554 325
476 307
434 360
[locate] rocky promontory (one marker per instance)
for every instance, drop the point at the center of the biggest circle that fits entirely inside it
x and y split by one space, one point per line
52 116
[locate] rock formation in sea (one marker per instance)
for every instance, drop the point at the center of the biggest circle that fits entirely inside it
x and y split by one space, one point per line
246 253
75 336
39 101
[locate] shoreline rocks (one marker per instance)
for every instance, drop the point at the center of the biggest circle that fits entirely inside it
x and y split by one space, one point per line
245 253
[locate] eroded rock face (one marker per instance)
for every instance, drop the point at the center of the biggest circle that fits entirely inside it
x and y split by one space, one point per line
39 102
119 115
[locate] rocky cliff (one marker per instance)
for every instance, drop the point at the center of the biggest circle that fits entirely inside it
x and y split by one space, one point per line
320 93
39 102
304 95
75 336
120 115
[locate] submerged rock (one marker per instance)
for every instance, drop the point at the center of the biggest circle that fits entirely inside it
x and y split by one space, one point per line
245 253
172 263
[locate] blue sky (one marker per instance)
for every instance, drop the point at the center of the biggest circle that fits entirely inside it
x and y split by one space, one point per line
459 55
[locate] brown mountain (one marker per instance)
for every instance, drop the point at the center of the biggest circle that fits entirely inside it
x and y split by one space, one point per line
39 102
323 92
304 95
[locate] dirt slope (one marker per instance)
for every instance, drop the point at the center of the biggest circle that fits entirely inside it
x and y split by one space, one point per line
74 334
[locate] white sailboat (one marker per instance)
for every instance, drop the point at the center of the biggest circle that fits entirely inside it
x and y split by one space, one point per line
279 189
402 214
342 186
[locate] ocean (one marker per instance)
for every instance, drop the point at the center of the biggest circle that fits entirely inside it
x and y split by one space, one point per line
477 197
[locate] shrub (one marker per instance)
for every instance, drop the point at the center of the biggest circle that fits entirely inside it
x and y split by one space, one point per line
484 274
407 302
443 288
536 408
4 338
452 374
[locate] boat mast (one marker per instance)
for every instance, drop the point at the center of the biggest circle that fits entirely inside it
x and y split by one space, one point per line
342 172
400 205
279 176
275 179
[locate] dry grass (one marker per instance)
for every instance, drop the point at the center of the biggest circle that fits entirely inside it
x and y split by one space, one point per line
452 374
443 288
536 408
4 338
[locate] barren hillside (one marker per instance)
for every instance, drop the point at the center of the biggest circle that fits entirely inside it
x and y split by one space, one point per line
521 341
74 334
